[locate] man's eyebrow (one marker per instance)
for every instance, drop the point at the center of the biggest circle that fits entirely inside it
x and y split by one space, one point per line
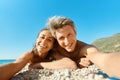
43 34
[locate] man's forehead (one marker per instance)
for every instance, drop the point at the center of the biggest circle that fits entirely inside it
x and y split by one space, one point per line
61 30
61 33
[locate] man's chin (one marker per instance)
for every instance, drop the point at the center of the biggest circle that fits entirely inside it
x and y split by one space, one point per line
69 50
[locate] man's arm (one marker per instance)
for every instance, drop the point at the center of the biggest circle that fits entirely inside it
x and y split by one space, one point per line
10 69
84 61
64 63
59 62
108 62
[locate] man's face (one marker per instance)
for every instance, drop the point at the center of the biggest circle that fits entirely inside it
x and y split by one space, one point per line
66 38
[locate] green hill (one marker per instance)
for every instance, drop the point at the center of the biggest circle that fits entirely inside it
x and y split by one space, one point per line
108 44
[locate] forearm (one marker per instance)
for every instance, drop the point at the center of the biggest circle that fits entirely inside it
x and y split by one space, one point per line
10 69
96 56
109 63
58 64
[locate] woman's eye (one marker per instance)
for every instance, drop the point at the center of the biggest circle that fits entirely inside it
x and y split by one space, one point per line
49 40
42 37
38 43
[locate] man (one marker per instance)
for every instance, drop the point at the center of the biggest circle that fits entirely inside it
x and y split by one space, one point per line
63 29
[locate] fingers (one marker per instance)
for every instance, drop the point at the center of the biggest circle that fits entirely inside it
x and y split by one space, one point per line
35 66
85 62
32 66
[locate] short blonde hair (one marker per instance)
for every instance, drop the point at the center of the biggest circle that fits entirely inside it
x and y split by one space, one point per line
57 22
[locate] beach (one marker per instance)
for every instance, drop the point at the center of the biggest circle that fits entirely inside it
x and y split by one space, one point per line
90 73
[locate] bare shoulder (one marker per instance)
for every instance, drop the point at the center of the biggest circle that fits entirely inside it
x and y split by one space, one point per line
26 56
92 49
89 49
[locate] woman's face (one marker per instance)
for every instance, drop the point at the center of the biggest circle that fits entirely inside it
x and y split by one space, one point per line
44 42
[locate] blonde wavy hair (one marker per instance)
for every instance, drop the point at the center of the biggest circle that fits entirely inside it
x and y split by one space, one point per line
57 22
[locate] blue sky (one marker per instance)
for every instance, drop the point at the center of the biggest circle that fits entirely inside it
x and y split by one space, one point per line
21 20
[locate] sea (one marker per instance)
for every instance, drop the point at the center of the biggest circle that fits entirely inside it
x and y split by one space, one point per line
4 61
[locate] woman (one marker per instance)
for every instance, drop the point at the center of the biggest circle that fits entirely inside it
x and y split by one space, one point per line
42 49
40 52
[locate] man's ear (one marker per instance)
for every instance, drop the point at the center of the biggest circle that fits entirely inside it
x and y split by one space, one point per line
75 32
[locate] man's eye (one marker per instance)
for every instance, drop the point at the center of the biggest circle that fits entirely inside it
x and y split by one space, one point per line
70 35
61 38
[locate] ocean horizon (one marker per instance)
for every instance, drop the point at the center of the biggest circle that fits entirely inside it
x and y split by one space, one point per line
4 61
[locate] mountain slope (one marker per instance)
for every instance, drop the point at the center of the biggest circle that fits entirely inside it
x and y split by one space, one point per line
108 44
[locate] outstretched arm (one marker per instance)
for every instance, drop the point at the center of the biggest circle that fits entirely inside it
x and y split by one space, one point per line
108 62
10 69
58 64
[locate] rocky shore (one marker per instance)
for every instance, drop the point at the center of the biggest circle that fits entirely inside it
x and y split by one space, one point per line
89 73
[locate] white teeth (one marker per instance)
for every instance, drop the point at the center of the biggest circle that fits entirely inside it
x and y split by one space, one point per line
42 46
69 45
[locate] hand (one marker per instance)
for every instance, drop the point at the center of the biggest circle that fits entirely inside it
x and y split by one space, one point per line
84 62
35 66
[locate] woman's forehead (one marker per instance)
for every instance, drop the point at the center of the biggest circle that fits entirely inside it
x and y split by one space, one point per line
46 33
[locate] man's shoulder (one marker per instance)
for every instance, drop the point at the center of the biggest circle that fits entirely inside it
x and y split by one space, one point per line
81 42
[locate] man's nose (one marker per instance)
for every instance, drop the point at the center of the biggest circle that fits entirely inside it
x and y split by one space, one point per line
66 41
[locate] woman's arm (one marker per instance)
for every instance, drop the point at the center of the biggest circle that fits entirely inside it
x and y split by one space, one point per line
10 69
